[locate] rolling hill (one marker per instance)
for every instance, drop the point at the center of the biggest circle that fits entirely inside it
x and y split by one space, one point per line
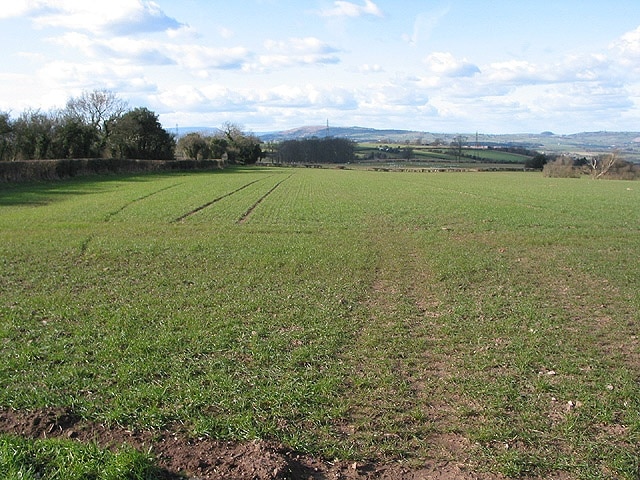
577 143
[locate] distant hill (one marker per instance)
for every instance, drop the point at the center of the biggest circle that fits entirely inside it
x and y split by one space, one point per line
576 143
186 130
357 134
585 142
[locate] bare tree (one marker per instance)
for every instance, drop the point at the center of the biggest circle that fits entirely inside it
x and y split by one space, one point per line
239 146
96 108
601 164
458 143
231 131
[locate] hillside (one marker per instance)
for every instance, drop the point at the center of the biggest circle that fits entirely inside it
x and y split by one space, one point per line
583 143
579 143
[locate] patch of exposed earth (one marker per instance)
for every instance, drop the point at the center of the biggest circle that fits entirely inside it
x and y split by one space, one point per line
179 456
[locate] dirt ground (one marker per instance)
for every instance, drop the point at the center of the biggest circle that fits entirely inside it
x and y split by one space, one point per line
180 457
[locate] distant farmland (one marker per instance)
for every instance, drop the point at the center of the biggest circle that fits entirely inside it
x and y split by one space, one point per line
488 320
371 153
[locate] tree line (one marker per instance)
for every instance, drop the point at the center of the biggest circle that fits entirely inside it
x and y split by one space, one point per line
230 143
316 150
98 124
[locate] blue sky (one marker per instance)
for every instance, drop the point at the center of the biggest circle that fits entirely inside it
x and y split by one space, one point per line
450 66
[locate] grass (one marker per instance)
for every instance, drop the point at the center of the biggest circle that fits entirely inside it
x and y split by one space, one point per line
484 318
56 459
441 156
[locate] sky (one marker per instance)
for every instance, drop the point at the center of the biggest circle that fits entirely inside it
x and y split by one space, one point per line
442 66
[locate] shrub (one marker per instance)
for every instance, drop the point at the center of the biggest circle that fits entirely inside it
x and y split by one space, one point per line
623 170
37 170
562 167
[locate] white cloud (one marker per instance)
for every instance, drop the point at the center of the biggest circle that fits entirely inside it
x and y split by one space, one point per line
21 94
73 77
183 32
270 62
371 68
349 9
119 17
277 101
225 32
629 44
304 96
193 57
513 71
210 99
118 49
424 24
300 46
445 64
199 57
17 8
295 52
591 99
626 52
401 94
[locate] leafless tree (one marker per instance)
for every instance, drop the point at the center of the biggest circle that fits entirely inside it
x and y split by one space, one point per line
231 131
96 108
458 143
601 164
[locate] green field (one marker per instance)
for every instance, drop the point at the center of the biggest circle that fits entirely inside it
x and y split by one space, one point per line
394 156
488 319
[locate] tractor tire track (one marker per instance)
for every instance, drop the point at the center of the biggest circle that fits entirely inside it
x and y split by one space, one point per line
245 215
85 244
208 204
110 215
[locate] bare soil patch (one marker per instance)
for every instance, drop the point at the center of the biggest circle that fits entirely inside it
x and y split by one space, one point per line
179 456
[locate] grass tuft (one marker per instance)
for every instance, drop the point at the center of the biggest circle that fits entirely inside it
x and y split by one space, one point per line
57 459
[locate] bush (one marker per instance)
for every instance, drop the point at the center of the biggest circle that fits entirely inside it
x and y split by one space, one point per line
623 170
39 170
562 167
537 162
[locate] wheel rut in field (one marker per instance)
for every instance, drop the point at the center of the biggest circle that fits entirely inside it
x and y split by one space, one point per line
402 368
245 215
85 244
110 215
217 199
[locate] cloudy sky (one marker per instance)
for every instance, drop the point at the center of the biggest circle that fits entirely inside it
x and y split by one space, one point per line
451 66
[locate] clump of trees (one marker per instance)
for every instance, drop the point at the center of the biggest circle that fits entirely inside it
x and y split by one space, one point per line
96 124
230 143
316 150
537 162
562 167
138 134
608 165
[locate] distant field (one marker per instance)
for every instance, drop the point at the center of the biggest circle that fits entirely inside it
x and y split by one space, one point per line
442 156
485 319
